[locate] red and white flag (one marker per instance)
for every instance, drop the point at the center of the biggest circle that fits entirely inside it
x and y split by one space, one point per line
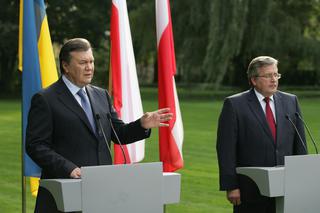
125 86
170 139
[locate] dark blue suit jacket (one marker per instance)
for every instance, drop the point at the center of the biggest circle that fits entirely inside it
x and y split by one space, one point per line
59 137
244 138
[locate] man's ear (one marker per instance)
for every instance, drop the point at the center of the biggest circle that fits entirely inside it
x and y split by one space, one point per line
253 81
65 66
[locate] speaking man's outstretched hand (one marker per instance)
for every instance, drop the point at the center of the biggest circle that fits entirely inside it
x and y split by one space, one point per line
156 118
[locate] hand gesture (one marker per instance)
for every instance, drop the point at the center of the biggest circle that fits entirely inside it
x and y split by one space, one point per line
156 118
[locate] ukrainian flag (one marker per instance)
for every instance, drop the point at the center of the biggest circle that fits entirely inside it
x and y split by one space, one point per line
37 63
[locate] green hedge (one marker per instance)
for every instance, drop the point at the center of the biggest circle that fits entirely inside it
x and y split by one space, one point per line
200 93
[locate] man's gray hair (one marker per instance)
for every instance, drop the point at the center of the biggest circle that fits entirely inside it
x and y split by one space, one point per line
258 62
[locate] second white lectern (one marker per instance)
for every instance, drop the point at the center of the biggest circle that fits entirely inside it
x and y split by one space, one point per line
133 188
296 185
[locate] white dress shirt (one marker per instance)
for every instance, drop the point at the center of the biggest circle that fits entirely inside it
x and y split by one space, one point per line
263 103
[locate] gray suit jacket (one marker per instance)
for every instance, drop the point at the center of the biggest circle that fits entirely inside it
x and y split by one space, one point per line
244 137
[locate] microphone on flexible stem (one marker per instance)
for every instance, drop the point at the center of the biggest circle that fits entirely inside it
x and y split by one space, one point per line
295 127
308 130
104 135
115 133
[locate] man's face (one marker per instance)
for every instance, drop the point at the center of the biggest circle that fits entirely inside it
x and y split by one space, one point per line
266 83
81 67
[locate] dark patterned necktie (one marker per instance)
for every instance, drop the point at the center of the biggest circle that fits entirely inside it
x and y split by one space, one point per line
87 108
270 118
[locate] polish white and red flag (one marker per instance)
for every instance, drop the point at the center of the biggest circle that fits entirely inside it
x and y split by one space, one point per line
125 86
170 139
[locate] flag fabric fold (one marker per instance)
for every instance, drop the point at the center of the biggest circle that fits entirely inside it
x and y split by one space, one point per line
125 86
37 63
170 139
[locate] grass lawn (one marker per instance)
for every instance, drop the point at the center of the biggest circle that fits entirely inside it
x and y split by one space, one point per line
199 192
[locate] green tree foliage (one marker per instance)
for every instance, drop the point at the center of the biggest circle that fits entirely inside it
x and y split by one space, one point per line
242 29
190 28
214 39
220 37
226 32
9 28
70 19
143 30
87 19
277 28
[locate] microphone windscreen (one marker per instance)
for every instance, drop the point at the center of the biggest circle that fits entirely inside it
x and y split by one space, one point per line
108 115
97 116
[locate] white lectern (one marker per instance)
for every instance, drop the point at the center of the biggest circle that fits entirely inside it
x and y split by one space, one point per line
133 188
295 186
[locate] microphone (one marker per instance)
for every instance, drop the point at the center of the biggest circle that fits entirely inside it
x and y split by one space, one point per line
104 135
115 133
308 130
295 127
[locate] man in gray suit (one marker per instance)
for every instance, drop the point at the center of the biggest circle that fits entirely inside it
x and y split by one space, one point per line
67 121
255 130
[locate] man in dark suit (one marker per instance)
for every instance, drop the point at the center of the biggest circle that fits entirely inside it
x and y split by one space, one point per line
254 130
66 122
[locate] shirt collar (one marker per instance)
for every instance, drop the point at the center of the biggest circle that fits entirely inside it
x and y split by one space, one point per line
72 87
261 97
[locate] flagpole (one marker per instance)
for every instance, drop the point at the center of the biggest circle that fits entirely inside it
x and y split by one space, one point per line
23 178
23 194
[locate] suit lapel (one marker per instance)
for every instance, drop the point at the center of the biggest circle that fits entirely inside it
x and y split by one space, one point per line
96 107
255 107
93 99
65 96
280 117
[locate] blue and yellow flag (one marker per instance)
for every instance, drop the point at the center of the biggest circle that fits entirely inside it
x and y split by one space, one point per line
37 63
